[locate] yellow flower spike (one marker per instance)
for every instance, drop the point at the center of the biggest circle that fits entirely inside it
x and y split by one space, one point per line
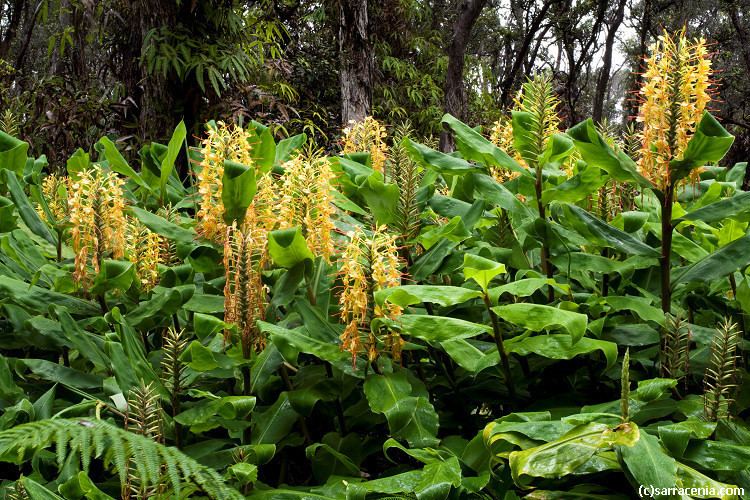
307 201
54 191
97 221
223 142
369 264
367 136
675 93
144 250
245 295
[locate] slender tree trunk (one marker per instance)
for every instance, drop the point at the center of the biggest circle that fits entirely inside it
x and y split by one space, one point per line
603 81
14 22
356 60
455 95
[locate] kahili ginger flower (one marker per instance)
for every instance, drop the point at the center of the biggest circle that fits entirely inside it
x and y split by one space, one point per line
144 249
245 295
307 200
675 93
367 136
369 264
55 193
97 219
222 142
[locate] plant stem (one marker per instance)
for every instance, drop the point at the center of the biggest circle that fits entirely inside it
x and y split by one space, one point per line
498 334
546 265
666 248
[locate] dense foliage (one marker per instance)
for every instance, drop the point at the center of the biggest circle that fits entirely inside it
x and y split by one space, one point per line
559 317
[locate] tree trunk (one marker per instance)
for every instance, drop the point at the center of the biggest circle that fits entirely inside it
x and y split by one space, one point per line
13 22
356 61
603 82
455 96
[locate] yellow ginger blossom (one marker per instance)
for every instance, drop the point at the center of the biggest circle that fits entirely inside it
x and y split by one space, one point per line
367 136
369 264
223 142
501 135
55 193
307 200
675 93
245 295
97 219
144 249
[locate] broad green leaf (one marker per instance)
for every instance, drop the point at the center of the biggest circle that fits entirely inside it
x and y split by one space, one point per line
481 270
439 328
113 275
34 298
274 423
577 187
440 162
287 147
12 153
558 346
409 417
601 233
173 149
381 198
595 151
161 226
36 491
210 413
407 295
287 247
53 372
649 464
709 144
237 191
118 164
25 210
571 452
537 317
80 486
473 146
526 287
717 265
737 206
7 215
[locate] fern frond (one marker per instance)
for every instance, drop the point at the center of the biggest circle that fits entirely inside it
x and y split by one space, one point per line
720 379
120 448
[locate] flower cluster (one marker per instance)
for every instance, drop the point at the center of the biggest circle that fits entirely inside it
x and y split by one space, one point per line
55 193
368 135
144 249
307 200
369 264
97 219
222 142
674 95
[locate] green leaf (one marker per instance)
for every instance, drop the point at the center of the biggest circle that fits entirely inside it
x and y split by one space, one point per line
407 295
381 198
164 227
481 270
439 328
113 275
36 491
80 486
571 452
709 144
173 149
237 191
435 160
736 207
719 264
12 153
25 210
410 417
537 317
600 233
649 464
287 147
559 346
595 151
473 146
7 215
577 187
287 247
275 423
118 164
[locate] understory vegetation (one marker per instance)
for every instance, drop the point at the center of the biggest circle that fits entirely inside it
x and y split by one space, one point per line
541 314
